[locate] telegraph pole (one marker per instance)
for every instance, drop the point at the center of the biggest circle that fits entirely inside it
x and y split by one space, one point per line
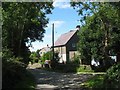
53 40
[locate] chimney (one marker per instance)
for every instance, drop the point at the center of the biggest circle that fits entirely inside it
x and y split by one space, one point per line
78 27
47 45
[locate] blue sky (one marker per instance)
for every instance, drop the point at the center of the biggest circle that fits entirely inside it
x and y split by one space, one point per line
64 17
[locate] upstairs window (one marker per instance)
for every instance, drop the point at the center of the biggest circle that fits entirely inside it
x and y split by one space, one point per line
73 45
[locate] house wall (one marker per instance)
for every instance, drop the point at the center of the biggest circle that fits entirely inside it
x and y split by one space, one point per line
67 52
42 52
72 47
62 53
61 49
72 55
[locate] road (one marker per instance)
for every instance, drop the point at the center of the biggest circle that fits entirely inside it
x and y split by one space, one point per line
54 80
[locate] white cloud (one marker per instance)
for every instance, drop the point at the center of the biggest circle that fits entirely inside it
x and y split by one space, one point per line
62 4
57 24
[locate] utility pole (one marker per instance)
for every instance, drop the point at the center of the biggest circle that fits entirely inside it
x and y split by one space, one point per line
53 40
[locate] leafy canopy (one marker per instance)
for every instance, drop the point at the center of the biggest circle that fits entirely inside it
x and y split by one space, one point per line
98 35
24 23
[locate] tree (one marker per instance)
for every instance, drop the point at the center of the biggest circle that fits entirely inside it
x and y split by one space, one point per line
98 22
24 23
34 58
46 56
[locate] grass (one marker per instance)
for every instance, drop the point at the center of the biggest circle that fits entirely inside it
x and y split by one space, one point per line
28 82
84 68
94 82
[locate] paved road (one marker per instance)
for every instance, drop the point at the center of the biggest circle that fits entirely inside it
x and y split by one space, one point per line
53 80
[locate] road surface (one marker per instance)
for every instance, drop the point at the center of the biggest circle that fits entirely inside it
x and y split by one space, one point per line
55 81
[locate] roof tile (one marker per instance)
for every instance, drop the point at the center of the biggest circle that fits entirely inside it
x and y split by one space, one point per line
64 38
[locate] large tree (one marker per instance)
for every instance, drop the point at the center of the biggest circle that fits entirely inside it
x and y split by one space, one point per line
24 23
100 23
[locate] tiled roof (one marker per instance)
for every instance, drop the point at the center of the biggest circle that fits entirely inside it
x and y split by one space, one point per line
64 38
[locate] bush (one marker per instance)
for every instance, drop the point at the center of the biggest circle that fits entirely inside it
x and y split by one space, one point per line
34 58
68 67
84 68
112 77
94 83
12 72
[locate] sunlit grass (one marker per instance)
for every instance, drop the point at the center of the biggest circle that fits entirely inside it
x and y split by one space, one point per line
83 68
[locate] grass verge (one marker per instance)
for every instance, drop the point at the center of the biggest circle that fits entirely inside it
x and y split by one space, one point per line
94 82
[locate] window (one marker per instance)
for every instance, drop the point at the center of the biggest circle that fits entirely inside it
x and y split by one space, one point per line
73 45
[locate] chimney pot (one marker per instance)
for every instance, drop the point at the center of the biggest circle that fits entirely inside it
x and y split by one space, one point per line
78 26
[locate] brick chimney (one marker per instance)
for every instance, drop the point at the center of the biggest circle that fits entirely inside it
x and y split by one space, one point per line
78 27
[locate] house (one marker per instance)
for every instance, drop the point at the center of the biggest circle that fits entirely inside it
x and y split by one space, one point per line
44 50
66 45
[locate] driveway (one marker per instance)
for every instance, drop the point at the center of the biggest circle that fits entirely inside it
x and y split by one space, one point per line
54 80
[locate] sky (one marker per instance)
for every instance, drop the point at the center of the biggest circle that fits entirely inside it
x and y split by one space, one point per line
64 17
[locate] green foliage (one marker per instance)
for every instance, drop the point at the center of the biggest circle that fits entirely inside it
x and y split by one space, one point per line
65 68
34 58
95 82
90 42
112 77
47 56
23 23
84 68
70 66
76 59
12 72
55 60
28 83
98 35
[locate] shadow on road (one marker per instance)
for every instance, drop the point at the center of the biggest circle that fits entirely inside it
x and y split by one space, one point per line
47 79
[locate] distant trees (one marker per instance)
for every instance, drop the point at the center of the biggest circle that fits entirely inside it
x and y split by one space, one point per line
100 31
46 56
34 58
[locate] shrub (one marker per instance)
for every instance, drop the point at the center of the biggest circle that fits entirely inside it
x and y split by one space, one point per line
34 58
55 61
70 66
84 68
76 60
112 77
12 72
94 83
46 56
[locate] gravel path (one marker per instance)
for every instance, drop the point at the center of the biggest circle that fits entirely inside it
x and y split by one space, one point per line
54 80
